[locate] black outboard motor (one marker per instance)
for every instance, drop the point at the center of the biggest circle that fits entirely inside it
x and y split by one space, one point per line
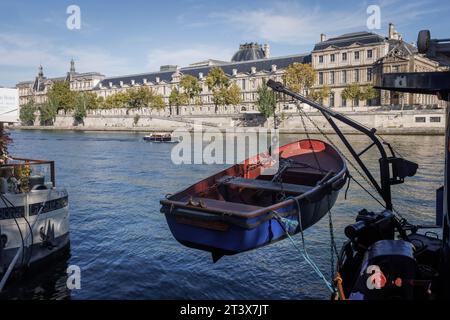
388 272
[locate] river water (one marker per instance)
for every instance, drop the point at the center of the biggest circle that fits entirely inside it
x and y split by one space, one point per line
125 250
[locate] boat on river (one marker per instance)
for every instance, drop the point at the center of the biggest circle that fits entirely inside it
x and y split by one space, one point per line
34 215
239 209
160 137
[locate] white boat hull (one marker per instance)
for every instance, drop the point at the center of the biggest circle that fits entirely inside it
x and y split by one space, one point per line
46 212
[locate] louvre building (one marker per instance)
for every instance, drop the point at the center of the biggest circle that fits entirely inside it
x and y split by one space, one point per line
359 58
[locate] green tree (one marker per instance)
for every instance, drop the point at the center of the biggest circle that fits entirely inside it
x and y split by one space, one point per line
351 92
117 100
299 77
368 93
139 98
191 87
233 95
266 101
27 114
218 83
177 99
62 96
157 102
83 102
48 112
320 94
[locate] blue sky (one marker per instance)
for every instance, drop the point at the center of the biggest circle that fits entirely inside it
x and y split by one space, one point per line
135 36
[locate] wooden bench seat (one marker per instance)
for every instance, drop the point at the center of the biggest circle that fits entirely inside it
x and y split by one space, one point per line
223 206
263 185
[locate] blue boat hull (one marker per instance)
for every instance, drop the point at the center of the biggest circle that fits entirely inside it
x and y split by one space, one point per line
236 239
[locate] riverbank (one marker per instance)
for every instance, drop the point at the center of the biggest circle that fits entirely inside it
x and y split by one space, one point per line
383 131
394 122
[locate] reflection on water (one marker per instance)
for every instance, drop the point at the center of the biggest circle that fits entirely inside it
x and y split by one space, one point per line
125 250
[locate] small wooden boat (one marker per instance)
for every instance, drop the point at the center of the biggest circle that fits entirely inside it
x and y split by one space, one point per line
240 208
159 137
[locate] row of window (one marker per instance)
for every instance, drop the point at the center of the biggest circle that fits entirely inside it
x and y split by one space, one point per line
344 76
424 119
344 56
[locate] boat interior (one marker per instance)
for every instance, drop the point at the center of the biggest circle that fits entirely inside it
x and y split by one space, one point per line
244 188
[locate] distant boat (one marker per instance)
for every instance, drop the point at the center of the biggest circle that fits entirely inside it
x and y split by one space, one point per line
159 137
240 209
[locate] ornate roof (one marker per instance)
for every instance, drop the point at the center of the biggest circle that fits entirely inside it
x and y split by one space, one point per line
264 65
248 52
345 40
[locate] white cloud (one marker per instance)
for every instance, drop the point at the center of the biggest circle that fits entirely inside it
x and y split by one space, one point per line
186 56
20 52
295 24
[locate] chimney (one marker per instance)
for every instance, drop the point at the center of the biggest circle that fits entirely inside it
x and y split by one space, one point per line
266 49
234 72
200 75
132 82
144 81
157 79
121 83
100 85
253 70
391 31
274 68
323 37
110 84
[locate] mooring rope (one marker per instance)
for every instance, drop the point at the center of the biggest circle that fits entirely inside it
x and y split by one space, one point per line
287 224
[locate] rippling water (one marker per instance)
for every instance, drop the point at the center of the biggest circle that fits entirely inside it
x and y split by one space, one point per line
125 250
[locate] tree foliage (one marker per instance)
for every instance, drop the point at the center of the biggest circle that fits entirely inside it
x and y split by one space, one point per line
351 92
320 94
299 77
191 87
368 93
354 91
223 90
61 95
266 101
27 114
233 95
133 99
48 112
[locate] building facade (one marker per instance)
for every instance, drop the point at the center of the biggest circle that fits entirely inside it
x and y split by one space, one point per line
36 91
362 58
357 58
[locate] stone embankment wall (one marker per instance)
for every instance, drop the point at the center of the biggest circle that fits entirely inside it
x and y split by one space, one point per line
395 122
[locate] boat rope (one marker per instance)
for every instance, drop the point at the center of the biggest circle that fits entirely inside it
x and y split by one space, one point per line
333 248
303 113
402 220
287 226
4 198
20 250
17 224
